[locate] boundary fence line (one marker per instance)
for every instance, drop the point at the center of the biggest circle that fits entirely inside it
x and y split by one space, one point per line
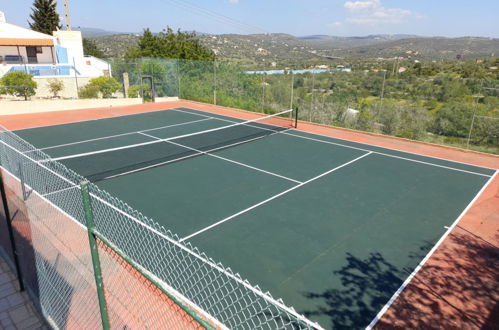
90 259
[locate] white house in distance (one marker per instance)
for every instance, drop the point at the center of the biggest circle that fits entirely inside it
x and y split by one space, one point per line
45 57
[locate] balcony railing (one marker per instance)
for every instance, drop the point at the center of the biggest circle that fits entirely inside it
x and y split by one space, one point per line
39 70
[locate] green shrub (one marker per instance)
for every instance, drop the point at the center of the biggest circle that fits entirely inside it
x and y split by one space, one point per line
55 86
89 92
18 84
106 86
134 90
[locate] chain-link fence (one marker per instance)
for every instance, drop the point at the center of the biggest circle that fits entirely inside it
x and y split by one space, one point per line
91 261
439 109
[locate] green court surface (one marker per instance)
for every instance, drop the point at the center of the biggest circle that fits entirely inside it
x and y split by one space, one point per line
331 226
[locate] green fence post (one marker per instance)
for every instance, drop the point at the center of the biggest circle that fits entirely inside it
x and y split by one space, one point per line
296 117
13 247
89 218
21 179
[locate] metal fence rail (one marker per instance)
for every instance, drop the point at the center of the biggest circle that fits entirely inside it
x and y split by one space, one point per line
146 276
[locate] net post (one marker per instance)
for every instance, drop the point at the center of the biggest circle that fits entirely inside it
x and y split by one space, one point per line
89 219
13 247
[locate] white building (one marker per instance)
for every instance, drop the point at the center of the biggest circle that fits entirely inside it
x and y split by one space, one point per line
44 56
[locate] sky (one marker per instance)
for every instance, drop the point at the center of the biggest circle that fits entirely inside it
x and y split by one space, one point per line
450 18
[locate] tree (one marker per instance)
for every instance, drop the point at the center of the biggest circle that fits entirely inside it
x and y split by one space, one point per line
90 48
181 45
45 17
18 84
55 86
454 119
105 85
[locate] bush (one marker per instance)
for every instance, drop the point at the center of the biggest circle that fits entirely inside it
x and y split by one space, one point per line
18 84
55 86
89 92
454 119
134 90
104 85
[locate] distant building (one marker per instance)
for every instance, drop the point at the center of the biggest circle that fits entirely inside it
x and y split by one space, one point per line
45 56
351 115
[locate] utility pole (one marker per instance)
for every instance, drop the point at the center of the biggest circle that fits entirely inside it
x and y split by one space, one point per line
66 15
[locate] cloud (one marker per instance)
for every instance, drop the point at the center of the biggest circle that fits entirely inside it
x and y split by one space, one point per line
234 2
335 24
372 12
356 6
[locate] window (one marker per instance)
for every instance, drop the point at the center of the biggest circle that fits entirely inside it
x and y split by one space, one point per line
39 50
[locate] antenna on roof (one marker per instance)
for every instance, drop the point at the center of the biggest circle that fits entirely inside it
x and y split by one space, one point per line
66 14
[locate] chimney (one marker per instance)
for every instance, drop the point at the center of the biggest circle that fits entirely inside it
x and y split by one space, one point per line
2 17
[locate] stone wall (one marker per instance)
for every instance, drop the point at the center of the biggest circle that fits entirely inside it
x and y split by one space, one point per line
69 91
13 107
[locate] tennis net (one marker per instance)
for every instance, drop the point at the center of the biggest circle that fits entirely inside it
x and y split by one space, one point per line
104 164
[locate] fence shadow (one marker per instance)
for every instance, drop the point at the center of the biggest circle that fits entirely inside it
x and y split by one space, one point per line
367 285
456 289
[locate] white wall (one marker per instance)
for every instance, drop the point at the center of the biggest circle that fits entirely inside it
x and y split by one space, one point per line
17 107
69 90
73 42
46 56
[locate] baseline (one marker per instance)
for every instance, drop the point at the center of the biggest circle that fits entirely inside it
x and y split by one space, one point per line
118 135
164 140
85 120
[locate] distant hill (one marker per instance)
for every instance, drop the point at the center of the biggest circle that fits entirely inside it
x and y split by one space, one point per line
348 42
436 48
287 50
88 32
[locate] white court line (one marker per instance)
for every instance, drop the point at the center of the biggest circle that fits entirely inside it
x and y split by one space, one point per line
118 135
176 159
391 156
182 247
273 197
85 120
165 140
208 153
428 256
58 191
362 149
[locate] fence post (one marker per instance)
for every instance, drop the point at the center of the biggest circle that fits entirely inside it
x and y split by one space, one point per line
215 82
76 79
475 107
89 218
11 234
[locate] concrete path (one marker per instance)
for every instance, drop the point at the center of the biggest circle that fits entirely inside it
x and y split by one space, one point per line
16 309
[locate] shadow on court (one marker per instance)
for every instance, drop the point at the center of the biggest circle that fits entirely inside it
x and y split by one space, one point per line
367 285
451 292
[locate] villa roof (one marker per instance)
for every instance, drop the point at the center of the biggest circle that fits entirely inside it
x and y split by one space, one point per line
13 35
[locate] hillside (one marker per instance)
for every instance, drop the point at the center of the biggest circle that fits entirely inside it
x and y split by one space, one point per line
326 41
287 50
436 48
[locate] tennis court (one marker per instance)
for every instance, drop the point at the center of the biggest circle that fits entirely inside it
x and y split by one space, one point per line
309 218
